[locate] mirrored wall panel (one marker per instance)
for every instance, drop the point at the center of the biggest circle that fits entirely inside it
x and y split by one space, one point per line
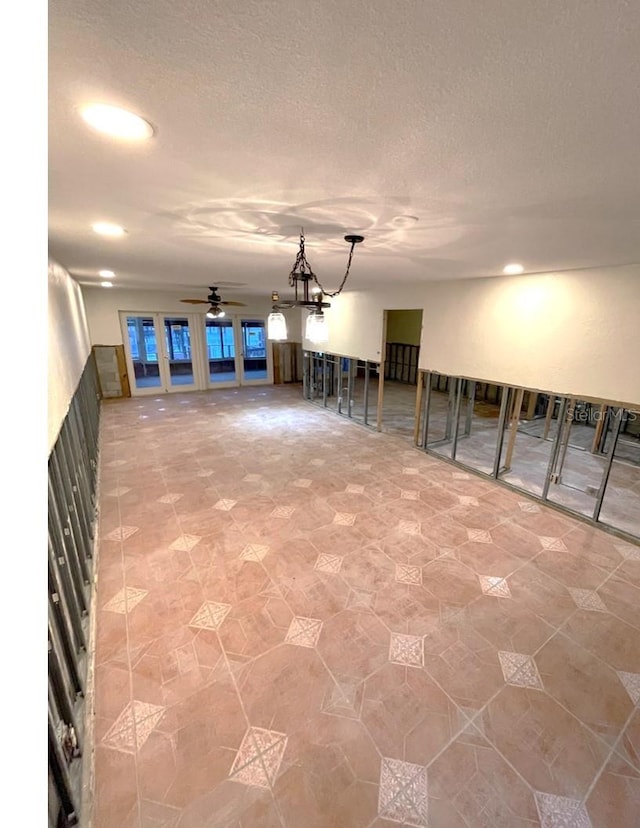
580 455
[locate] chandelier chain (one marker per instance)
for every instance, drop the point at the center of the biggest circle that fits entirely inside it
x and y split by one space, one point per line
302 266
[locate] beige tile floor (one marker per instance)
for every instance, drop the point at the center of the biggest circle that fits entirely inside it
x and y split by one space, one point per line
301 622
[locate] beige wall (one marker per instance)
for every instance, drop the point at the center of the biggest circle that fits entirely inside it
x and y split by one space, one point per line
404 326
103 306
572 333
68 345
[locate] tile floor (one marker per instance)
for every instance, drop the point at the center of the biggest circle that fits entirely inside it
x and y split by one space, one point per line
303 623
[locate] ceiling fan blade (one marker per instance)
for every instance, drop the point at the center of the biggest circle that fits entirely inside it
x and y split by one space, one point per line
237 304
196 301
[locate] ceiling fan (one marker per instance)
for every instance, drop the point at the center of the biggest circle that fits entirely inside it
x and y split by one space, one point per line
214 301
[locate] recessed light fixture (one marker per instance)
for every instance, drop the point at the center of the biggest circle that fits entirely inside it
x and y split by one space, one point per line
106 284
106 274
116 122
105 228
513 269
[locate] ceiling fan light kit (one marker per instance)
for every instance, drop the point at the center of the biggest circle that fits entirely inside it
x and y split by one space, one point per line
214 301
307 296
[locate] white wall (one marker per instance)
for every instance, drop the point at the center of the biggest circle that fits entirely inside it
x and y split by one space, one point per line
68 345
355 320
575 333
103 306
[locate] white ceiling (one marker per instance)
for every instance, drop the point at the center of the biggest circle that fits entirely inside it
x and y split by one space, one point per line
455 135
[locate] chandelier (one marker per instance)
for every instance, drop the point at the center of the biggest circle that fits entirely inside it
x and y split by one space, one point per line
308 293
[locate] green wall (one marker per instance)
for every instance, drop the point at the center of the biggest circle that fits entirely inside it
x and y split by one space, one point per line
404 326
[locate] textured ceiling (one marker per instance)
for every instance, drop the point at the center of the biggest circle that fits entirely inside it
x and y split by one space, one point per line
455 135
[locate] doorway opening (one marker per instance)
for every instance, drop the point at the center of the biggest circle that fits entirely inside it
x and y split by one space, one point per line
401 348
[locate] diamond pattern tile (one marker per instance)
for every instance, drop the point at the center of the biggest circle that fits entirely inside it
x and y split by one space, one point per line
407 574
283 512
403 793
409 494
259 757
344 519
629 553
520 670
304 632
133 726
172 497
372 665
561 811
588 600
343 698
122 533
360 598
407 650
125 600
254 552
410 470
409 527
497 587
631 683
185 543
479 536
527 506
210 615
554 544
225 505
328 563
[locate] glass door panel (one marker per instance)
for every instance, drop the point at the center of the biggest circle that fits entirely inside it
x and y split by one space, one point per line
221 351
143 351
177 337
255 364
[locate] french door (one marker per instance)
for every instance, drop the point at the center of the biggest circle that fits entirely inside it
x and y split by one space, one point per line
188 352
238 352
159 351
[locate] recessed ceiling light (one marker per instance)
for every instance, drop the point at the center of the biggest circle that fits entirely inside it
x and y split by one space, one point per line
513 269
106 274
116 122
106 284
105 228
